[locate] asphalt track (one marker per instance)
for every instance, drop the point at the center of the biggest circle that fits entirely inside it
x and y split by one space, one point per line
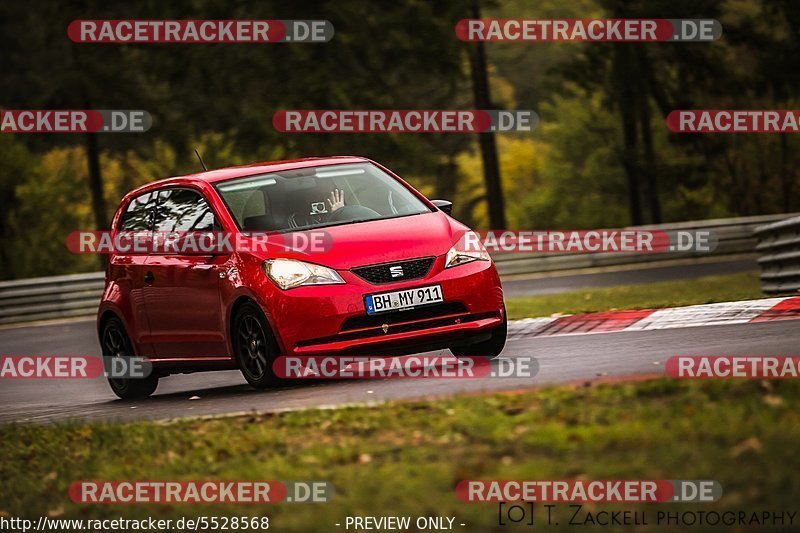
555 283
561 359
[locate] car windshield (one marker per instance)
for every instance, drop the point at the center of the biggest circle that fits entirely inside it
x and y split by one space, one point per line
316 197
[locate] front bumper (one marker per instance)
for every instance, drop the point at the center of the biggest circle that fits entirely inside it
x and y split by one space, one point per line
332 319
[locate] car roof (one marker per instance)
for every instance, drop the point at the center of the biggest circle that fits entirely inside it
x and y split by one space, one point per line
213 176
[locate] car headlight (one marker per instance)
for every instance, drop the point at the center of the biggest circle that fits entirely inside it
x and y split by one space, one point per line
466 250
290 273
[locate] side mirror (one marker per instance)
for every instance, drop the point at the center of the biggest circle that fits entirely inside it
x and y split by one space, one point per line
444 206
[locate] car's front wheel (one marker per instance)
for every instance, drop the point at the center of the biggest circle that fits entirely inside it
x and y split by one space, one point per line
254 346
115 343
490 348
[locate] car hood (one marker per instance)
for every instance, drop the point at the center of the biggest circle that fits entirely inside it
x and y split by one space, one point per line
370 242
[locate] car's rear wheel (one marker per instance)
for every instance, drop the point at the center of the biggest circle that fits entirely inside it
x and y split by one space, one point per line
254 346
115 343
490 348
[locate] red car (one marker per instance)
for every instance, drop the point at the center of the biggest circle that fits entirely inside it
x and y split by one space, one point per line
385 276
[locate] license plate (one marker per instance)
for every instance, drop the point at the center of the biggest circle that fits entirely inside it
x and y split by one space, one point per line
407 299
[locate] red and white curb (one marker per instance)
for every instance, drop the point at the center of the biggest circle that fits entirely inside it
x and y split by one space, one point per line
652 319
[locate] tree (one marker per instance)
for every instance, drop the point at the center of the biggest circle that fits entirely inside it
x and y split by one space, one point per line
639 77
486 140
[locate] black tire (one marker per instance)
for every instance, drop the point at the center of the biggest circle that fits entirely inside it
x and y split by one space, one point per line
116 343
490 348
254 346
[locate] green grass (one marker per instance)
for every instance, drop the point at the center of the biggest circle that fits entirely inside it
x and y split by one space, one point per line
406 458
704 290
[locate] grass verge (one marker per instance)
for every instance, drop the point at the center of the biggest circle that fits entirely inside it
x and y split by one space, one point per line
406 458
705 290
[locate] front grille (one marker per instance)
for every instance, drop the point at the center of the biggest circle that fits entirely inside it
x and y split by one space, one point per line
422 313
395 271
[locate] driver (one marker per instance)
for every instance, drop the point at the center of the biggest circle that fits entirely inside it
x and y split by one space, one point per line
316 212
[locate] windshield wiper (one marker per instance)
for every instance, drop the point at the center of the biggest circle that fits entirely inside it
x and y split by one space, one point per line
346 223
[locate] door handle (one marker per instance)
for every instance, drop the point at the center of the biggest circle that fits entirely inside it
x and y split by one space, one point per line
202 266
149 277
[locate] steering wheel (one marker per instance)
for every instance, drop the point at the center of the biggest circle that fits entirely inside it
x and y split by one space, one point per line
352 212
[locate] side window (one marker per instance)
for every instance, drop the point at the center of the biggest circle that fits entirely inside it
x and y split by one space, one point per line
183 210
138 216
